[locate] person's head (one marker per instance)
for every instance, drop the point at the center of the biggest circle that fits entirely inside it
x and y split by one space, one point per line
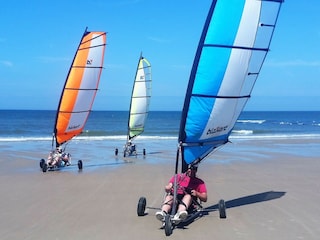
59 149
192 170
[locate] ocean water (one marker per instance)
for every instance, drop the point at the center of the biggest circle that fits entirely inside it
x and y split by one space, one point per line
37 125
27 134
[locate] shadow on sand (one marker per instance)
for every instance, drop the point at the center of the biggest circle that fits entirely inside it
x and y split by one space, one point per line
251 199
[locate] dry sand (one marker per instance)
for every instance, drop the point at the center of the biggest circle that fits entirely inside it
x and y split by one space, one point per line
274 195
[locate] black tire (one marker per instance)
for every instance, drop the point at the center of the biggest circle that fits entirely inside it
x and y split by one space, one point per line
42 161
141 206
222 209
144 152
80 165
116 152
44 167
168 225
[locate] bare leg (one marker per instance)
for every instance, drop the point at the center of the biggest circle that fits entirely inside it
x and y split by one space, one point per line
187 202
182 213
166 207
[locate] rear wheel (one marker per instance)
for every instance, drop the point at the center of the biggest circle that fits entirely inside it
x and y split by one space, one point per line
80 166
141 206
41 163
168 225
44 167
222 209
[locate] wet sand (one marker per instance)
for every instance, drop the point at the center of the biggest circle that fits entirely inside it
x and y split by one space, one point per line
271 192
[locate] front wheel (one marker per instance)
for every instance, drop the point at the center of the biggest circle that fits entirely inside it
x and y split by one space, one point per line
80 166
222 209
168 225
141 206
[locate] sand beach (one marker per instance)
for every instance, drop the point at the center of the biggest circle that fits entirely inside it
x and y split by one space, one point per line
271 189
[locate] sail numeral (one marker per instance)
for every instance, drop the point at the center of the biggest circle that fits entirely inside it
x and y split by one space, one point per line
216 130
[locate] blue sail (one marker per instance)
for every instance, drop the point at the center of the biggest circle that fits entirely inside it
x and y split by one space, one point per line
232 48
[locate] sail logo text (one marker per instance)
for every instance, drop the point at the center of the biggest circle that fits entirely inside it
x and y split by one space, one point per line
89 62
73 127
216 130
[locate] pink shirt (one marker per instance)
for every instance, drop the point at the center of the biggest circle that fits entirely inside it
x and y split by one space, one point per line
185 181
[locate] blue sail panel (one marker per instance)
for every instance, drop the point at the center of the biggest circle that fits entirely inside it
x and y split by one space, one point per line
226 20
228 60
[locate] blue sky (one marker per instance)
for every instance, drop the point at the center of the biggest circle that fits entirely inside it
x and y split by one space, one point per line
38 40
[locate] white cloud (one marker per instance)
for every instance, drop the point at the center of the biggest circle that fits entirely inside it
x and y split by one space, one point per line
114 66
6 63
53 59
298 63
158 40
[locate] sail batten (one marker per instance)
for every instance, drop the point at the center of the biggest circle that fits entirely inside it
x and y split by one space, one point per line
232 48
210 96
87 67
86 48
82 89
75 111
236 47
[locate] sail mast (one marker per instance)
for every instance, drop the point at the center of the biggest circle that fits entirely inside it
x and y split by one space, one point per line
194 70
130 107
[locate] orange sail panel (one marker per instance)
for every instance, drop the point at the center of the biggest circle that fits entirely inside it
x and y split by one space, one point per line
80 87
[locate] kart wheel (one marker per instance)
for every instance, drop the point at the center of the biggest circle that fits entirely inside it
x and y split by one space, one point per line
41 163
44 167
80 164
144 152
168 225
141 206
222 209
116 152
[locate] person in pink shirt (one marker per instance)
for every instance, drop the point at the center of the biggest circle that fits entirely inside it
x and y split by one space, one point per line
189 187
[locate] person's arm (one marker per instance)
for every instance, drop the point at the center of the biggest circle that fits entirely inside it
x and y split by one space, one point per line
202 196
168 187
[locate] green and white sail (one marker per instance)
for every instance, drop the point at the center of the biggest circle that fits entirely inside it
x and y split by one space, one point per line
140 99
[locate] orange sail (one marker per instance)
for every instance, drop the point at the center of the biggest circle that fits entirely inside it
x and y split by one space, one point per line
80 87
